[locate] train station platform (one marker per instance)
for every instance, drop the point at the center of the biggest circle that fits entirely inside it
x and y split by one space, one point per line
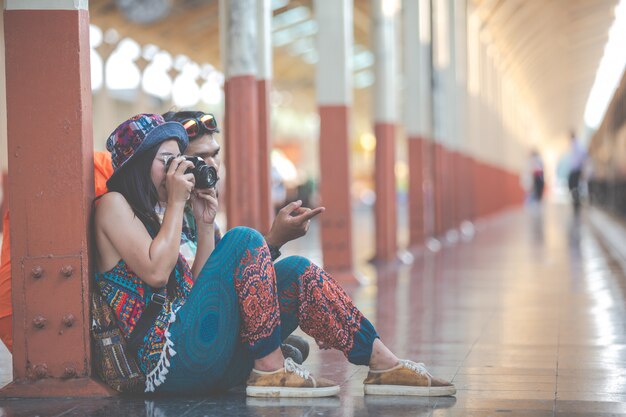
527 319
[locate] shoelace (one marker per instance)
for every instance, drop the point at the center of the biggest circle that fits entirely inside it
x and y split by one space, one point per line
291 366
420 368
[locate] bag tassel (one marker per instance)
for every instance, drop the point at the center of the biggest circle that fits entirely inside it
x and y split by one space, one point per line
157 376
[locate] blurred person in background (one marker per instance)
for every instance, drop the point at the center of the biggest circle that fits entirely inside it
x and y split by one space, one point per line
537 175
577 158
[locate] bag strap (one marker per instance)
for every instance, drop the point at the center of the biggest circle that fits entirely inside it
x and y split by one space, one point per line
154 305
148 317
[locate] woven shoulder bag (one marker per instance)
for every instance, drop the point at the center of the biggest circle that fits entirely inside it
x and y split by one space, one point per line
112 359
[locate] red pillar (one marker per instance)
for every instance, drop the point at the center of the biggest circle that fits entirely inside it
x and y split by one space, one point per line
439 188
4 203
238 33
453 157
429 187
385 183
459 194
50 153
468 194
242 151
334 98
266 213
416 191
264 75
449 189
336 221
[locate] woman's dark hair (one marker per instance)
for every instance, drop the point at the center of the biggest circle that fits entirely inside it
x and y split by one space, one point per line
135 184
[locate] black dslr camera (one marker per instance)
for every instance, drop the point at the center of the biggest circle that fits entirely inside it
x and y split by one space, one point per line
205 175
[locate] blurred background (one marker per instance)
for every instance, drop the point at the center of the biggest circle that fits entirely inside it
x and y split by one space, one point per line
506 77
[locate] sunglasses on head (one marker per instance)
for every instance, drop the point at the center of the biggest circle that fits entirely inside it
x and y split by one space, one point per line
195 126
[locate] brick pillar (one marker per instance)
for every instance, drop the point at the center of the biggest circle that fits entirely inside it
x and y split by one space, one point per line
238 32
51 190
334 97
385 182
417 50
385 121
439 188
417 228
264 83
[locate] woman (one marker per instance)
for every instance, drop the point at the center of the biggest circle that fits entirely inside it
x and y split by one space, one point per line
222 317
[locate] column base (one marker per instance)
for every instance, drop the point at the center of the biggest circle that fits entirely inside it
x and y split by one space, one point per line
348 277
53 387
401 257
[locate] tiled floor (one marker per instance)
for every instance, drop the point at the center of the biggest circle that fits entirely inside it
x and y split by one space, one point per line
527 319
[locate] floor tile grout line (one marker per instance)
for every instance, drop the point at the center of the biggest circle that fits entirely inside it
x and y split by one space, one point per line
66 411
473 345
558 349
556 376
194 407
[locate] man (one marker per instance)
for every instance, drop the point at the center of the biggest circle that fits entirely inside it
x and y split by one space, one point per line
291 222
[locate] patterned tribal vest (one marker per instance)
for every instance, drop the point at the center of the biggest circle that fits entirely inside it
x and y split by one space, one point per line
126 293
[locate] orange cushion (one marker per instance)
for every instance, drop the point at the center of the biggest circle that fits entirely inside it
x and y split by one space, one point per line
102 170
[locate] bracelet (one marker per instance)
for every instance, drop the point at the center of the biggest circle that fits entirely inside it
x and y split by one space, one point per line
274 251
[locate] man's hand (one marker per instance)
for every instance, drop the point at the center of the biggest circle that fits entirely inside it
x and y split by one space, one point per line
291 222
204 205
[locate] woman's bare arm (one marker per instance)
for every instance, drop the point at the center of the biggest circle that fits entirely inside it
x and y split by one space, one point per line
121 235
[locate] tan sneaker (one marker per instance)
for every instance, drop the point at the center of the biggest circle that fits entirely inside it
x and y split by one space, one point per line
406 378
291 381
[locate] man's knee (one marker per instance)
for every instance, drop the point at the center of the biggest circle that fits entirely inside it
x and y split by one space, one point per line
292 265
298 260
245 234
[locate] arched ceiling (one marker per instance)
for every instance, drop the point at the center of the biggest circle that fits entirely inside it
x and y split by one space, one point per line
192 28
551 49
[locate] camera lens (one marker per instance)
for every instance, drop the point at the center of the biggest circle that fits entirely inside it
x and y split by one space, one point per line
205 175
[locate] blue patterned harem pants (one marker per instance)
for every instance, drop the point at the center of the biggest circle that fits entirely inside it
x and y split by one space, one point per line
241 307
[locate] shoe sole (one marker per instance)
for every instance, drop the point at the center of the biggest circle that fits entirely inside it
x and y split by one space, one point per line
371 389
288 392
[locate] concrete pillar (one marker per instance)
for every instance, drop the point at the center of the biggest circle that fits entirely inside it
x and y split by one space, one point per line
238 33
442 115
4 168
264 85
384 14
464 197
448 78
334 97
51 176
418 113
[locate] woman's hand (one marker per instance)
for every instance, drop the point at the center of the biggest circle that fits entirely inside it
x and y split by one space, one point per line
178 184
204 205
